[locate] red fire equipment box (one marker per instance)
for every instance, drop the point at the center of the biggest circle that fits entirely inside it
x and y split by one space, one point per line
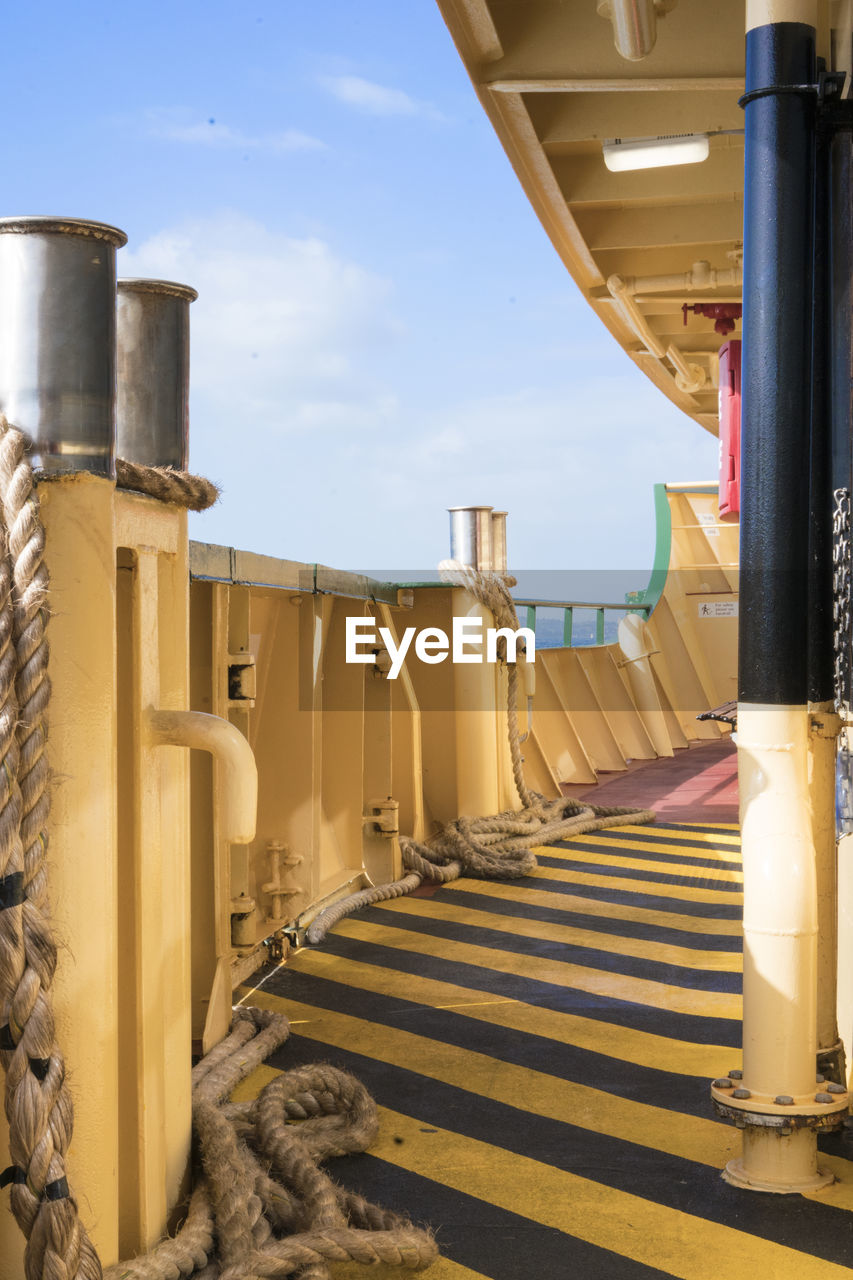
730 430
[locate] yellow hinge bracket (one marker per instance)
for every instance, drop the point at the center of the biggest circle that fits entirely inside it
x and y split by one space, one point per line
825 724
626 662
242 679
385 816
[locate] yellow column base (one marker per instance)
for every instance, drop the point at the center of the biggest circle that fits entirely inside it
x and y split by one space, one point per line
783 1163
780 953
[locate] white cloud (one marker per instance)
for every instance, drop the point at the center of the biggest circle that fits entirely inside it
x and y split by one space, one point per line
575 465
176 126
284 330
333 442
376 99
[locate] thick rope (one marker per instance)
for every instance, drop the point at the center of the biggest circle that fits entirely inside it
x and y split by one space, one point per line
492 591
499 847
38 1103
181 488
263 1206
329 917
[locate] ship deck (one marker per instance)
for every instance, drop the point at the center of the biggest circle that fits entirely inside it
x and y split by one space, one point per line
541 1051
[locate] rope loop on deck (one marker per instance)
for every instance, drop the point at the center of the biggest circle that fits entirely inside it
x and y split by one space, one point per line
263 1206
498 847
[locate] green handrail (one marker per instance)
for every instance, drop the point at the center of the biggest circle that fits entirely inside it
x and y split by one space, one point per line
568 608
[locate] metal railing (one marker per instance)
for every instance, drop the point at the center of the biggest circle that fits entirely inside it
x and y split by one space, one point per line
569 606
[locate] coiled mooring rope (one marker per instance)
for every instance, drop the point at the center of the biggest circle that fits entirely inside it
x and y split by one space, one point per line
499 847
262 1206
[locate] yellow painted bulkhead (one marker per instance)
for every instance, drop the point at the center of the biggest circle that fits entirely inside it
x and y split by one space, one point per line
119 854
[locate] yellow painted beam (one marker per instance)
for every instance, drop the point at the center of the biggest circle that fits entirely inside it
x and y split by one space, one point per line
78 516
617 84
577 117
583 179
698 223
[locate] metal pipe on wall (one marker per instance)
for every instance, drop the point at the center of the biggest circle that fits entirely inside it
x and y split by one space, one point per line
701 276
777 1104
634 26
153 365
688 377
57 339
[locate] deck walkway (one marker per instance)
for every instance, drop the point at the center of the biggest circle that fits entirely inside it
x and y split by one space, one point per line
696 785
541 1051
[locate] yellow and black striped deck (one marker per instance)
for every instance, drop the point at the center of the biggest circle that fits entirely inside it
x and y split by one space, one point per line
541 1052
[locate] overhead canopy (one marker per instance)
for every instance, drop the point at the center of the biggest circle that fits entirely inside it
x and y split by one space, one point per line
639 243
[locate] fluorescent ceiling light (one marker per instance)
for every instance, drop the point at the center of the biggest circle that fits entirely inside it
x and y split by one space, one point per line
652 153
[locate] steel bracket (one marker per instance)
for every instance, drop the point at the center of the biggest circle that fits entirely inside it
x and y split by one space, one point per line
825 724
834 113
831 1063
384 816
242 679
626 662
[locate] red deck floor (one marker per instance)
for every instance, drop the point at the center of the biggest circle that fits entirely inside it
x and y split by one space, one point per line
698 784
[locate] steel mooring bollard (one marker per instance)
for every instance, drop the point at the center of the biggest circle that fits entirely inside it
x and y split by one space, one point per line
471 536
153 354
57 339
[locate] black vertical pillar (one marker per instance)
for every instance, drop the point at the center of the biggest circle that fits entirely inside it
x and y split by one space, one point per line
820 664
840 362
841 306
776 386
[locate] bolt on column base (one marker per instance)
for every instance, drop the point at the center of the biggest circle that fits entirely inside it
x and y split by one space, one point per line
779 1134
825 1109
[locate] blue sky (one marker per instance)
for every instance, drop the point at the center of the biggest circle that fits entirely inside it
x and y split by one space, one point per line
383 329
